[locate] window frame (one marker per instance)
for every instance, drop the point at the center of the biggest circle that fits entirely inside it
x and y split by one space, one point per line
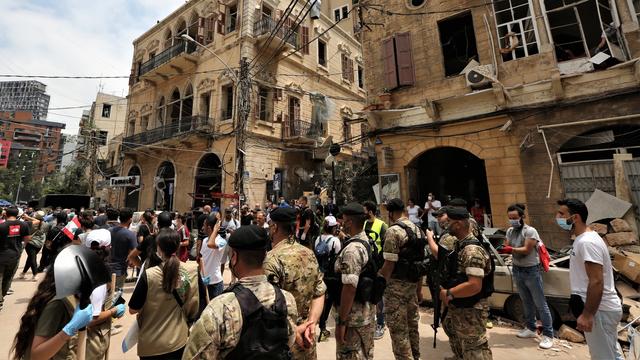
225 102
340 13
265 101
324 43
521 34
231 20
360 69
106 108
635 10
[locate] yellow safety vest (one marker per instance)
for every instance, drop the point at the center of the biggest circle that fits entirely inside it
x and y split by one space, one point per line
374 232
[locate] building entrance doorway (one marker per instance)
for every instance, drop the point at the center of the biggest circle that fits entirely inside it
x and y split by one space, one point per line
448 172
208 180
165 186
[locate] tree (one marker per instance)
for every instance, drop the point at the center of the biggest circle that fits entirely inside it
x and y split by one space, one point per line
72 180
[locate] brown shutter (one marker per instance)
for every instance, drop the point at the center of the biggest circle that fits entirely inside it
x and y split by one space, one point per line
210 28
350 63
406 74
343 60
389 60
221 23
201 25
305 40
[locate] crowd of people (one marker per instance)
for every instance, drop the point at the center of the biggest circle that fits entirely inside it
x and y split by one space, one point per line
291 267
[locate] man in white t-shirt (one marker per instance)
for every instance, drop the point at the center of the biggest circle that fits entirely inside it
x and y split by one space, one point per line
212 256
430 207
591 276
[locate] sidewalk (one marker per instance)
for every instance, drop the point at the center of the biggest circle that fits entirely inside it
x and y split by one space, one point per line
504 344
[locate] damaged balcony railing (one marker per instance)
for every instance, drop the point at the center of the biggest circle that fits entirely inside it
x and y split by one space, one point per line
176 127
297 128
267 25
178 48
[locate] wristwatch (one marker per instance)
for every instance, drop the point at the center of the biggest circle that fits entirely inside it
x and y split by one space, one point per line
450 295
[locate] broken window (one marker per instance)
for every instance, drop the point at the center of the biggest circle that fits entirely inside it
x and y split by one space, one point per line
341 13
517 35
398 61
232 18
322 53
458 41
346 129
264 104
583 29
227 102
360 77
106 110
347 68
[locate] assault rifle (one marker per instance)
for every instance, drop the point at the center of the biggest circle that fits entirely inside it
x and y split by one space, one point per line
437 276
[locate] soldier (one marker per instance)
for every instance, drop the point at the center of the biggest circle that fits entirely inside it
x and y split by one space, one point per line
468 282
403 243
355 322
376 230
293 267
252 319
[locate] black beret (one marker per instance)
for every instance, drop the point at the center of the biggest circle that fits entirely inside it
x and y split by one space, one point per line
455 213
441 211
283 215
395 205
353 209
458 202
249 237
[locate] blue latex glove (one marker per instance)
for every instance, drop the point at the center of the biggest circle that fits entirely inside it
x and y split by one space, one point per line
120 308
206 280
81 318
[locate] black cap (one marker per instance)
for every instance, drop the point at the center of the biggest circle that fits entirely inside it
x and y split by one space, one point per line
250 237
395 205
164 219
455 213
353 209
441 211
283 215
458 202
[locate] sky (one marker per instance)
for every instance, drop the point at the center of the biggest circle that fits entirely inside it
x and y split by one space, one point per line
77 38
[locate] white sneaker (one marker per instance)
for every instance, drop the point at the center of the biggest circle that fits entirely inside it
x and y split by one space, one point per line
546 343
21 276
34 278
527 334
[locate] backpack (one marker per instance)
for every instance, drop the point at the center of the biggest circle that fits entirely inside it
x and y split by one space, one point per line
543 254
487 281
324 252
265 331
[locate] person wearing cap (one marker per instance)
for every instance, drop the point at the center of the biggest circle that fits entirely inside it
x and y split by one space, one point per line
376 230
400 296
465 323
219 331
355 323
39 229
462 204
334 246
294 267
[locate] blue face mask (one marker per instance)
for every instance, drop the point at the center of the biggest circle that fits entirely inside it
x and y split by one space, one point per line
564 224
515 223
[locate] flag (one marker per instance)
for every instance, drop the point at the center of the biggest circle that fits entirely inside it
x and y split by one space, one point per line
71 227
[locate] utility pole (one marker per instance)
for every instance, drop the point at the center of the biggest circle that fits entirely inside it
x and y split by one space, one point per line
92 162
244 107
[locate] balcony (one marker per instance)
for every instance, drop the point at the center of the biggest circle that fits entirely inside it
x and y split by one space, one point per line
298 132
22 135
177 129
174 60
263 28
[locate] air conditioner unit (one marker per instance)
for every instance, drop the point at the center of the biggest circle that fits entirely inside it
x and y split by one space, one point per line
479 76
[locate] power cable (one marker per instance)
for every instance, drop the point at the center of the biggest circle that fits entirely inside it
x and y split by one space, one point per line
279 25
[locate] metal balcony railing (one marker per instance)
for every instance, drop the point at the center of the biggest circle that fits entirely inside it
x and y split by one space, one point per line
164 57
267 25
296 128
177 128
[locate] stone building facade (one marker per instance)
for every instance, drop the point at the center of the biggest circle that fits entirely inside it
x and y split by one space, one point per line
183 118
501 103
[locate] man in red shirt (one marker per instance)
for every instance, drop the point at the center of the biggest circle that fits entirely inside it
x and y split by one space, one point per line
14 234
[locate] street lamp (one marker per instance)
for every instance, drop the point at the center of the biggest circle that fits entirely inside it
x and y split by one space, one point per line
186 37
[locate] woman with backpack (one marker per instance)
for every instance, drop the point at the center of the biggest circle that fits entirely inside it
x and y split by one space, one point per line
523 242
166 300
326 248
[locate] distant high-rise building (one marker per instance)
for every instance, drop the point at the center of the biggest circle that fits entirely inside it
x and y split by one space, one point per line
24 96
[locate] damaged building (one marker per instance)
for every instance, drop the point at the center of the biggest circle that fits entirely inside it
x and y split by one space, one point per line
183 122
508 101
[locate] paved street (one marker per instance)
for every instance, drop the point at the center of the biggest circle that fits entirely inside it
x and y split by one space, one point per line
503 341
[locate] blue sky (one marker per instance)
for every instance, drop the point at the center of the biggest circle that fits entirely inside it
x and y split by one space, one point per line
75 37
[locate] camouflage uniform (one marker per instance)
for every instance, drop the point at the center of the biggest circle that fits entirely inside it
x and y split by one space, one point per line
293 267
466 326
361 325
400 299
218 330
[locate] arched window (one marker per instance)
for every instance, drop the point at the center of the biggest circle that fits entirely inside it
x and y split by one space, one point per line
168 39
174 109
164 186
187 109
161 112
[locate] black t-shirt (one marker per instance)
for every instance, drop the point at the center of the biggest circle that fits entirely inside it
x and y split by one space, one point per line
246 220
100 220
147 247
12 233
306 214
122 241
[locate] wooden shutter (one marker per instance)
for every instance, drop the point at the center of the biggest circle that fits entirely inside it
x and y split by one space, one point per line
406 74
201 26
305 40
350 69
221 23
210 28
389 61
343 60
278 95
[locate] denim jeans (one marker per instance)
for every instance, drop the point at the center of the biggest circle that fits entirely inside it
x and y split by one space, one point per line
380 313
215 289
603 338
31 263
529 283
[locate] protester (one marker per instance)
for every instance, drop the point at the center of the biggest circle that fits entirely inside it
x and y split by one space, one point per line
594 301
326 255
123 241
53 240
522 242
430 207
293 267
414 212
478 211
246 218
185 236
13 233
307 228
226 330
144 255
165 298
39 229
211 255
261 220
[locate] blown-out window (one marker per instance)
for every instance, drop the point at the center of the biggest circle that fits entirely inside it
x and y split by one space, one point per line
517 36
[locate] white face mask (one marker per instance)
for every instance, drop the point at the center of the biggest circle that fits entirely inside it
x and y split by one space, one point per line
430 198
